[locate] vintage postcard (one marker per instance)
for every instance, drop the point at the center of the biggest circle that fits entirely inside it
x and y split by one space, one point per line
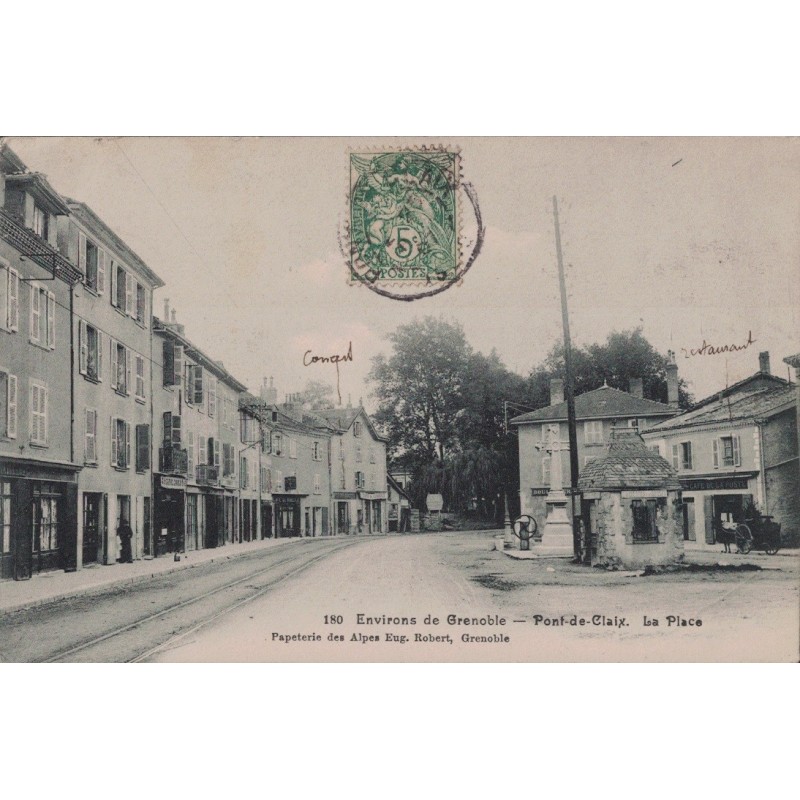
399 400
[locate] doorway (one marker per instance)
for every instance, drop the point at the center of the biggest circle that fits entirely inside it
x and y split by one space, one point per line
92 539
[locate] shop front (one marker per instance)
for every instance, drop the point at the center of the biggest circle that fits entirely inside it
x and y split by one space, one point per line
169 514
343 513
287 515
374 504
38 517
709 503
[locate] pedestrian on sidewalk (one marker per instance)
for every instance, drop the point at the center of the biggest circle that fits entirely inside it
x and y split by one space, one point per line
125 535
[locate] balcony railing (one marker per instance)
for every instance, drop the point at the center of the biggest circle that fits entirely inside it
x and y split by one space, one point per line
173 460
207 475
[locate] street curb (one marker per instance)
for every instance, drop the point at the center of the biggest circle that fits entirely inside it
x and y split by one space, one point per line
129 581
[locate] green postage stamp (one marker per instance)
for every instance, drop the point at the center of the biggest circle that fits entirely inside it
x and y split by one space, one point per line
405 221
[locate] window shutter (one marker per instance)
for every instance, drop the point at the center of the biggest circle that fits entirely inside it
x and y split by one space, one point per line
101 271
13 300
737 451
715 453
114 282
12 407
83 346
113 441
90 445
168 363
43 407
203 454
100 345
190 451
708 517
142 447
211 450
676 463
114 364
197 384
216 456
5 281
167 438
33 418
82 252
177 356
35 312
128 294
176 430
127 427
51 320
128 370
146 309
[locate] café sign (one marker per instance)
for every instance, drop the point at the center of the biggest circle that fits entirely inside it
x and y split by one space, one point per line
172 482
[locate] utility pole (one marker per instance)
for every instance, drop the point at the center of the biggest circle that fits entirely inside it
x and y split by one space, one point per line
569 390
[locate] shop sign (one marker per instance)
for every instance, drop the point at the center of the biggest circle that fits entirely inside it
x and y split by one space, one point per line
705 484
172 482
542 492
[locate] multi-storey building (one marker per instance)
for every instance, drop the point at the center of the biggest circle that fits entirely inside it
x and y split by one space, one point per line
112 380
255 484
39 462
196 446
735 449
358 472
597 412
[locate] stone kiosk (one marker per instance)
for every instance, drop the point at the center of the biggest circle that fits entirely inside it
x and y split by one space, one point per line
632 501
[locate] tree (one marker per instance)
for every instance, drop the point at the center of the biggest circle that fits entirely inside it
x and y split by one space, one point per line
420 389
624 355
317 394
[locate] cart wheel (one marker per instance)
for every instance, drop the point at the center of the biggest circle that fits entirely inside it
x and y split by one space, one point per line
772 548
744 539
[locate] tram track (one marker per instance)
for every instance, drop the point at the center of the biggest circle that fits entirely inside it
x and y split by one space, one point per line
134 641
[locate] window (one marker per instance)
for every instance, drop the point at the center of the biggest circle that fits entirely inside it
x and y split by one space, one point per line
359 480
372 482
644 521
118 281
633 423
228 462
358 454
42 318
266 442
264 484
202 457
196 384
316 451
546 470
593 432
372 455
317 484
188 393
292 448
356 428
141 304
9 297
120 443
655 448
40 221
8 405
727 452
90 436
121 364
38 413
686 455
279 480
142 448
139 377
45 522
5 516
92 262
90 344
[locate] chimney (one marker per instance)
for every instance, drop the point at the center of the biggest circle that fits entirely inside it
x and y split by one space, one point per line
349 403
556 391
636 388
173 317
763 362
166 309
269 394
672 379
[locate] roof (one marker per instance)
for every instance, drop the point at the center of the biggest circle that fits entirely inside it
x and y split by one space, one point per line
37 183
603 403
749 406
793 361
755 383
88 217
215 367
342 419
628 464
397 487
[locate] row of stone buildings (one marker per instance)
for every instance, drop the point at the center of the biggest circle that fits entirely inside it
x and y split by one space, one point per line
733 450
110 414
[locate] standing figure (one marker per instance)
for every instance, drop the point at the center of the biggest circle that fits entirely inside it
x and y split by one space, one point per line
125 535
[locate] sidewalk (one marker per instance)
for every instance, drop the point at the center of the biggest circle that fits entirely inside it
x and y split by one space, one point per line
49 586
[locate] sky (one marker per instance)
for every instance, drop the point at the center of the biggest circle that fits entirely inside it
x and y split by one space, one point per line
695 240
